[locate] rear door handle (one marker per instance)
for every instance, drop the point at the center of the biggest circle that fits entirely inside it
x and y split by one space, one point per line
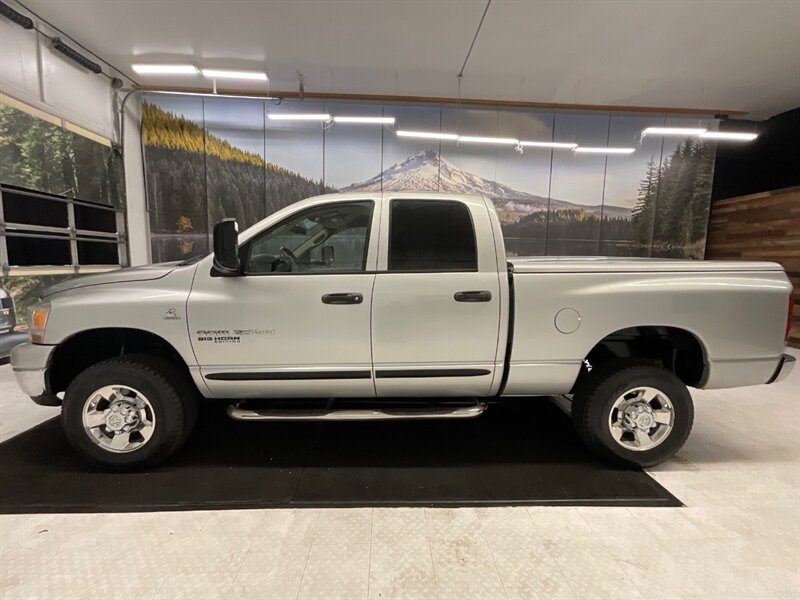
344 298
482 296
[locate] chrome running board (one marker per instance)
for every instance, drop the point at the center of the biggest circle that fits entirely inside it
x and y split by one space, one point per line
236 411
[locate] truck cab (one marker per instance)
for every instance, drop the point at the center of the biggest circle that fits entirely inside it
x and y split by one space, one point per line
357 297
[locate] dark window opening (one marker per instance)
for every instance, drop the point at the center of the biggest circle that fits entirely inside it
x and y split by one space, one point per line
48 230
30 251
95 219
33 210
97 253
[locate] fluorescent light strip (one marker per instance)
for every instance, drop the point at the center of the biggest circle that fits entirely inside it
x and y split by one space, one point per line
226 74
381 120
486 140
589 150
674 131
299 117
733 136
427 135
142 69
564 145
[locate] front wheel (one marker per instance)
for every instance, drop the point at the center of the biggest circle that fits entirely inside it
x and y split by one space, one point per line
636 415
127 412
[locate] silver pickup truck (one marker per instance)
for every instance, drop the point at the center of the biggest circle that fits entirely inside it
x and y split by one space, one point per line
409 303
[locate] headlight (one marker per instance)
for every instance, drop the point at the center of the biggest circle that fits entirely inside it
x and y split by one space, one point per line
37 321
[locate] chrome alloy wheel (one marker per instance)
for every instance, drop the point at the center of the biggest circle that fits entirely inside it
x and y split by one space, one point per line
118 418
641 418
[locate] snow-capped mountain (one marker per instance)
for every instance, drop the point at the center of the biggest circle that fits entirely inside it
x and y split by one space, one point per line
426 170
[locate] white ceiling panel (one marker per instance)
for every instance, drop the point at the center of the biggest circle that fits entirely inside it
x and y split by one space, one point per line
727 54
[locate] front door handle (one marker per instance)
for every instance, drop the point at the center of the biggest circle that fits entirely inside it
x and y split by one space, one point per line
344 298
482 296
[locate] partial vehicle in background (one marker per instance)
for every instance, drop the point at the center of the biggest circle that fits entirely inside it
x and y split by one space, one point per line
8 316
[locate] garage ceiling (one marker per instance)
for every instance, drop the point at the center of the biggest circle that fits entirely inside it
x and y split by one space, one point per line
736 55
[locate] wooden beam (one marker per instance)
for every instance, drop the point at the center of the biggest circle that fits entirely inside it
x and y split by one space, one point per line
559 106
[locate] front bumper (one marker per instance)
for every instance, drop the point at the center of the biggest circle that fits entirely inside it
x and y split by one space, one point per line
29 363
785 366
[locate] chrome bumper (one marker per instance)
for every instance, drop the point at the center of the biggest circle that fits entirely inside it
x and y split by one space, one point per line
785 366
29 363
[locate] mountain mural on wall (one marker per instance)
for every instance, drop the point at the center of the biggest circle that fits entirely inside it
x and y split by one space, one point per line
427 170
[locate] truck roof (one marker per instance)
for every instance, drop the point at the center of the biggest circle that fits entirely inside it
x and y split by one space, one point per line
421 195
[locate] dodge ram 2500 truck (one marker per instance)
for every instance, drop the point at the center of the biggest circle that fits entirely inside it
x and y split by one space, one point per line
401 296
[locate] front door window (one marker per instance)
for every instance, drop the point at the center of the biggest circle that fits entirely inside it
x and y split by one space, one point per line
331 238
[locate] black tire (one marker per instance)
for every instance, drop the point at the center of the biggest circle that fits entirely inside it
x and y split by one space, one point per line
188 393
163 386
593 401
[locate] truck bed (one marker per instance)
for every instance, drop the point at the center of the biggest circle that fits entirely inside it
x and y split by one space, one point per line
606 264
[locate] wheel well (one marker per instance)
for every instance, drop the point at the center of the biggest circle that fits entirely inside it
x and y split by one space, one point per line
86 348
675 349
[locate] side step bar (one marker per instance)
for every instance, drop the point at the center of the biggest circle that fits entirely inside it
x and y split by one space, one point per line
236 411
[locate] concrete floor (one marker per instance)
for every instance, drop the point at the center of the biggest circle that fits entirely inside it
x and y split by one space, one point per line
737 537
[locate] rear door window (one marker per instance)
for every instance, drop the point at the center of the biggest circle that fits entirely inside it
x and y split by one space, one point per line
427 235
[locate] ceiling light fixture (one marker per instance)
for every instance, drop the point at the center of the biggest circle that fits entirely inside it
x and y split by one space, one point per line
165 69
428 135
299 117
589 150
486 140
732 136
674 131
382 120
227 74
564 145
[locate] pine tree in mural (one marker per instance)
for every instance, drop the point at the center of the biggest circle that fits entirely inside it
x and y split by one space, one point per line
673 201
644 210
197 177
40 155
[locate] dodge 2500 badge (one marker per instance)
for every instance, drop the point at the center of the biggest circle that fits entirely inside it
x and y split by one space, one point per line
405 295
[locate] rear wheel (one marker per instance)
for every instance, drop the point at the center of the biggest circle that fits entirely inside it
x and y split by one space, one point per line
128 412
637 415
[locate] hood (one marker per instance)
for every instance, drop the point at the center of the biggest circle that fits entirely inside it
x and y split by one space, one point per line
145 273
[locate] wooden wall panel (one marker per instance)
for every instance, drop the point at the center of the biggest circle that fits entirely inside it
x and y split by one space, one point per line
762 226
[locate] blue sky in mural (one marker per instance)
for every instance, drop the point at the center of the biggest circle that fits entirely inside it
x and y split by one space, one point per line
527 172
296 145
188 107
353 151
241 122
623 172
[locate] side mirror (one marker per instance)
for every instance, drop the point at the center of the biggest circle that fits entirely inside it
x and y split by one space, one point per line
226 247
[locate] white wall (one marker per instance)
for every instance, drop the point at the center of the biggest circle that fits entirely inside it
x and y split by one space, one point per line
33 73
136 205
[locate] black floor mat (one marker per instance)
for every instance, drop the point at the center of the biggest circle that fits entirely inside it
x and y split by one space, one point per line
519 452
